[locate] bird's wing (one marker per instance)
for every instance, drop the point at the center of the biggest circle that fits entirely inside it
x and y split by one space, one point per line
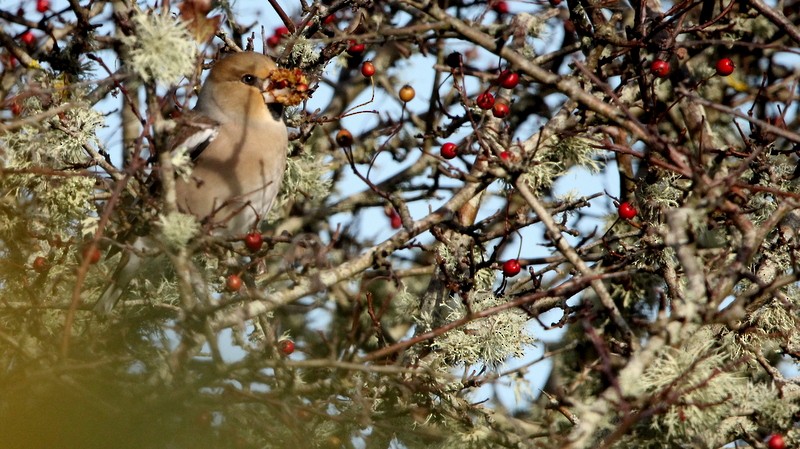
193 134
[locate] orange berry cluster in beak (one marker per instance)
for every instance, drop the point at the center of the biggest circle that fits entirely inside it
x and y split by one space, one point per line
289 86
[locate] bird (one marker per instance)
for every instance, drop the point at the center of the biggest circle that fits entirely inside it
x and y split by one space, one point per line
237 140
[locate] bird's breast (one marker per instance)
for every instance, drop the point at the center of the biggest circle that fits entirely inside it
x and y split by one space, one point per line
236 179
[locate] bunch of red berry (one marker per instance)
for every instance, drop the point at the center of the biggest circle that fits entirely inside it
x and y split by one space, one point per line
277 36
507 79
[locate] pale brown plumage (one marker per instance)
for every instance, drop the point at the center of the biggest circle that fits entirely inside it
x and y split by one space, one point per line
238 142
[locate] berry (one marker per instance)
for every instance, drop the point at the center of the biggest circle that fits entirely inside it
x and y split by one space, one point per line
453 60
282 31
273 41
93 254
555 2
233 283
27 38
725 67
500 7
508 79
344 138
660 68
394 218
395 221
626 211
367 69
569 26
253 241
776 441
286 346
16 109
511 268
501 109
39 264
407 93
355 48
42 6
505 155
449 150
329 19
485 100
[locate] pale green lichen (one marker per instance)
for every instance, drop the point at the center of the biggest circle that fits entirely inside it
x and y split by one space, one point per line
42 156
305 180
161 49
490 340
701 376
178 228
541 175
304 53
484 279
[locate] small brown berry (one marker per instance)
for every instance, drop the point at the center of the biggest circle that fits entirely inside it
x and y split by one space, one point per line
344 138
407 93
39 264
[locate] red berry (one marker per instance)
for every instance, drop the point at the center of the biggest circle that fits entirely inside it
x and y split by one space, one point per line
500 7
569 26
660 68
355 49
395 221
775 441
511 268
505 155
27 38
253 241
16 109
555 2
281 31
233 283
501 109
508 79
273 41
725 67
39 264
449 150
329 19
93 254
485 100
286 346
367 68
626 211
42 6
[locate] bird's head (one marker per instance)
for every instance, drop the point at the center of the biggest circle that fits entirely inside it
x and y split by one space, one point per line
248 85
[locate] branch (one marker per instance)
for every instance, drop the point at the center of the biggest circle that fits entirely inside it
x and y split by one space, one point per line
316 282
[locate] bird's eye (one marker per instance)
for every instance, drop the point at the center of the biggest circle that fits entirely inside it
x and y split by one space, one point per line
248 79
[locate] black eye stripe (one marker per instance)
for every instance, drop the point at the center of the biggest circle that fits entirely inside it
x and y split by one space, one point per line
249 79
